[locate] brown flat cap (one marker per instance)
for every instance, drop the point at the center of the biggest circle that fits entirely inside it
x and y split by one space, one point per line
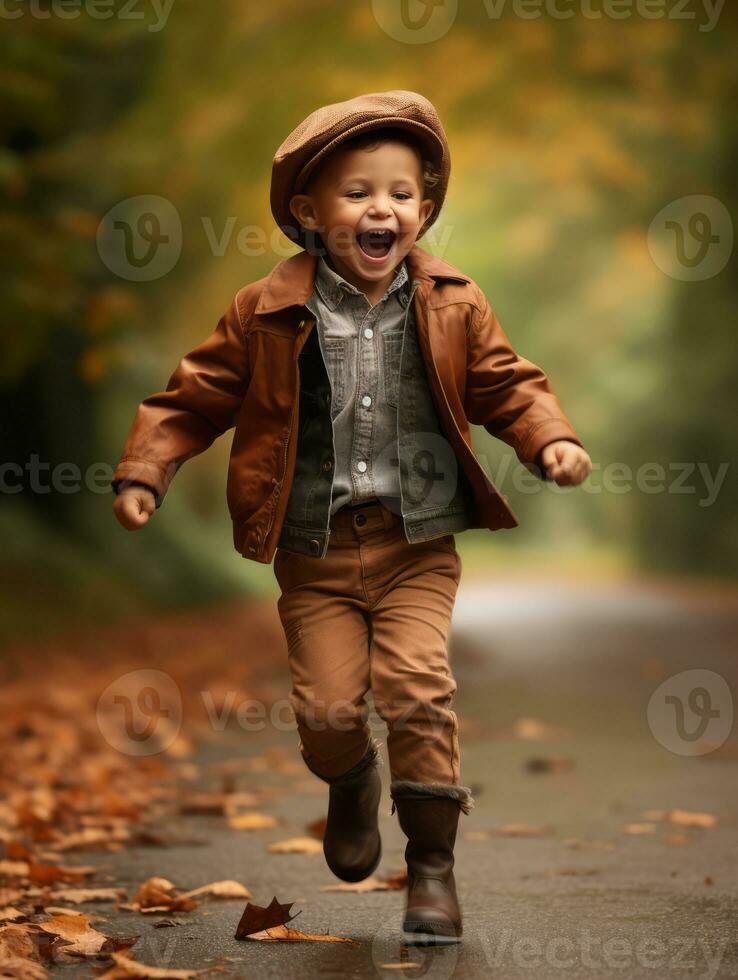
326 128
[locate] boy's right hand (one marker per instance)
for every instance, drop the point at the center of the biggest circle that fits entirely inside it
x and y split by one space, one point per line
133 507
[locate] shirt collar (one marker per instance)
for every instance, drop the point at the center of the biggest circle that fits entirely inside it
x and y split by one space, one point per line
332 287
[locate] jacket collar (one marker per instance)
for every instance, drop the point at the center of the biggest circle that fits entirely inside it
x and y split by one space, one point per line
291 282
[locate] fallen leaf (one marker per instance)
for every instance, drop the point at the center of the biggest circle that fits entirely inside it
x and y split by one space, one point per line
159 895
90 837
9 914
256 918
317 828
283 934
44 874
79 895
252 821
677 840
220 889
129 969
639 828
534 730
296 845
685 818
521 830
82 938
370 884
540 764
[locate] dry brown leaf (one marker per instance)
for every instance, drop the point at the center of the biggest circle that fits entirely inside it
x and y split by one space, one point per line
296 845
127 968
220 889
159 895
548 764
43 874
317 828
534 730
79 895
9 914
677 840
370 884
16 941
284 934
20 969
639 828
252 821
521 830
202 803
90 837
15 869
686 818
82 938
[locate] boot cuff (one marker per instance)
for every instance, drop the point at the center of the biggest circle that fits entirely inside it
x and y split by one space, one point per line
406 789
372 757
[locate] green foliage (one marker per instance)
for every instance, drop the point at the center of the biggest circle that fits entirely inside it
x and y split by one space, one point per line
567 138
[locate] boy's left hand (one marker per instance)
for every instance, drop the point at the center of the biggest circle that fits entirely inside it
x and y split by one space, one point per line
565 462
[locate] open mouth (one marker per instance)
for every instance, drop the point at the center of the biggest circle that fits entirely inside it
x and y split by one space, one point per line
376 244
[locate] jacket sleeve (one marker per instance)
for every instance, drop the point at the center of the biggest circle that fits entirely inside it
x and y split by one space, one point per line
200 402
509 395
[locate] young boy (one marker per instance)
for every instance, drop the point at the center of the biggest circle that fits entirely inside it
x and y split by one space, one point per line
351 374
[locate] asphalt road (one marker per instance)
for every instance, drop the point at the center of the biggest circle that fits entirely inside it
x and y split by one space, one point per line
578 898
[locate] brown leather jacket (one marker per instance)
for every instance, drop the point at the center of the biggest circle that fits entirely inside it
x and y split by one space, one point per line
246 375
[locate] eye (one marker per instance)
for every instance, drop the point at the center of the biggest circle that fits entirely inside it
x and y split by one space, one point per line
352 193
404 195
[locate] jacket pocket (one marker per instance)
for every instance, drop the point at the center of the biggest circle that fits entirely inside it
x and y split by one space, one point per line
391 350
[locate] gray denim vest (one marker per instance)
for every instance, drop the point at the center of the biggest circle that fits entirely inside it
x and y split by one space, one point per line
436 497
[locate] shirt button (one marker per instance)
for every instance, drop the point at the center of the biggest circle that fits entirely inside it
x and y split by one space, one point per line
368 333
361 466
327 465
366 401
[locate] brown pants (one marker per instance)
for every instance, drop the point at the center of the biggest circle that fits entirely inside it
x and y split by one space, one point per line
372 615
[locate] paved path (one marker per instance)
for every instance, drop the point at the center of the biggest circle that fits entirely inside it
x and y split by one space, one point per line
582 900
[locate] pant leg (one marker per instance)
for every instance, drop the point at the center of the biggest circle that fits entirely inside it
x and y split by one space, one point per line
411 679
327 633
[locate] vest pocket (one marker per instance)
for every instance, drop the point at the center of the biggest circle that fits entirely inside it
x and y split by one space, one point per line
391 350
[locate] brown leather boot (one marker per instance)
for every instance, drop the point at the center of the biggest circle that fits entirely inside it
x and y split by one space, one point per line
352 845
429 816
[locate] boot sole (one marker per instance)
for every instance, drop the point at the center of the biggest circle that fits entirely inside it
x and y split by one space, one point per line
429 934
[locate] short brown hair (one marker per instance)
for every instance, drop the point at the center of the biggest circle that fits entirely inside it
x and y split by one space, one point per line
374 138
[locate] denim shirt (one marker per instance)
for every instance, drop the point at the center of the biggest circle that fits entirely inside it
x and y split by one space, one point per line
360 345
393 448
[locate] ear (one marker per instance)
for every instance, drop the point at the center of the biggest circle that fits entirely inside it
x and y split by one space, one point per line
303 210
426 210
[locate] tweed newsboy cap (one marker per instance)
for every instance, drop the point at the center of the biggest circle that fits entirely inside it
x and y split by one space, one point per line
326 128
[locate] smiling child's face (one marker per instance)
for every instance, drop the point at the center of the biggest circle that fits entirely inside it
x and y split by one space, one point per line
357 192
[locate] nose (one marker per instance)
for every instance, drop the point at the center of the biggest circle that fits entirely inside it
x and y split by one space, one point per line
381 204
